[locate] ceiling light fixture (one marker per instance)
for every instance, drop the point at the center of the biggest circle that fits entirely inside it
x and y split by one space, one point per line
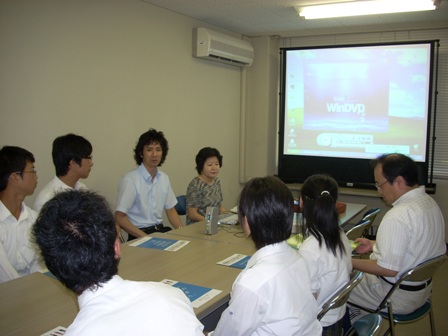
367 7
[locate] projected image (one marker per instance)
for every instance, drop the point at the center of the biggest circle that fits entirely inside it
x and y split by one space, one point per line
357 102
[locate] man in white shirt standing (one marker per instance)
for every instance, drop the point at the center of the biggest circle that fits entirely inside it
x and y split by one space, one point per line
412 232
18 179
77 236
72 158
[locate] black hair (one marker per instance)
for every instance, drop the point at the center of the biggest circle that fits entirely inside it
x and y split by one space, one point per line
394 165
12 159
267 203
204 154
319 214
76 232
147 138
69 147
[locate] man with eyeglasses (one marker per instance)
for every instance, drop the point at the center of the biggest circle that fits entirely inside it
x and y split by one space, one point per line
18 179
72 158
411 232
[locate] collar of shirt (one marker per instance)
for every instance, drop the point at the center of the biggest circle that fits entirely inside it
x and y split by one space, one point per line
5 213
92 292
420 191
266 251
146 175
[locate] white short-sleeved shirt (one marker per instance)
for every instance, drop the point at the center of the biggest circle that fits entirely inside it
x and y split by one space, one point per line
122 307
144 200
51 189
18 255
271 296
328 273
411 232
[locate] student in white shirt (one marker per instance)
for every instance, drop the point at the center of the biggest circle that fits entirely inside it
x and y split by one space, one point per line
18 179
77 235
272 295
326 249
72 159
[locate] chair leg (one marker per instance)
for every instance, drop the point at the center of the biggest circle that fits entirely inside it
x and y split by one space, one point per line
391 319
431 321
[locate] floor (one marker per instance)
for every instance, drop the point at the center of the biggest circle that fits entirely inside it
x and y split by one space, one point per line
440 308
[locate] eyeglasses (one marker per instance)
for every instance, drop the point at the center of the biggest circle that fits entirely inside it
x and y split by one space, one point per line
378 186
33 171
88 157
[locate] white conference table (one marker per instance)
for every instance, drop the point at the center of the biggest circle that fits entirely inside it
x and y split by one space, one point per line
234 233
37 303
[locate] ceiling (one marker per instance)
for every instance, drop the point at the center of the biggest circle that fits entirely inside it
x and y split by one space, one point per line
278 17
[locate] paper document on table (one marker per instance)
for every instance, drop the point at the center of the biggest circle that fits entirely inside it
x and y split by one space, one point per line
236 260
231 219
234 209
198 295
160 243
58 331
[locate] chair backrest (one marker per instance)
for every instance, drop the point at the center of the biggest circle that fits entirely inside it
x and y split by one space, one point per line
371 214
421 272
181 206
340 297
359 229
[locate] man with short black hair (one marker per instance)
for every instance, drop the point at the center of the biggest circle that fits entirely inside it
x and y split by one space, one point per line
18 179
77 236
72 159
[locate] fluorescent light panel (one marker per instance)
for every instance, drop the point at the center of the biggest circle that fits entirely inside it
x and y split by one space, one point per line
356 8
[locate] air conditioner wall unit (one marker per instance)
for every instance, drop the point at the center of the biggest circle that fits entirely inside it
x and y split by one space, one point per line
222 48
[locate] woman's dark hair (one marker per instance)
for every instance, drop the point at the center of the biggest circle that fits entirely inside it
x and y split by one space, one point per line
204 154
319 214
147 138
394 165
267 204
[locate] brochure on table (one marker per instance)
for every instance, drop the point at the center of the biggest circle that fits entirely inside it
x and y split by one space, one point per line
160 243
198 295
235 260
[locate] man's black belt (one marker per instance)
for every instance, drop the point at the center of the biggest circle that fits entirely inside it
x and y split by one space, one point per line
153 228
409 287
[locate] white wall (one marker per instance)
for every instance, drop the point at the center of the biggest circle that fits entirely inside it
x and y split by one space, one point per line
109 70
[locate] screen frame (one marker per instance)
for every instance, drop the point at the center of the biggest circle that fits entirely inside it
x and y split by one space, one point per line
348 172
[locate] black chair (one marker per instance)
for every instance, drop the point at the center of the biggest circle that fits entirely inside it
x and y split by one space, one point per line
181 206
422 272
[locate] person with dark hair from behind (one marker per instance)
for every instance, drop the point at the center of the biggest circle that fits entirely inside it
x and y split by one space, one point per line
412 232
77 236
205 189
18 179
326 249
72 159
145 192
272 295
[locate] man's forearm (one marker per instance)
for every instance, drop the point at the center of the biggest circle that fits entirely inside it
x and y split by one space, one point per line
371 266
